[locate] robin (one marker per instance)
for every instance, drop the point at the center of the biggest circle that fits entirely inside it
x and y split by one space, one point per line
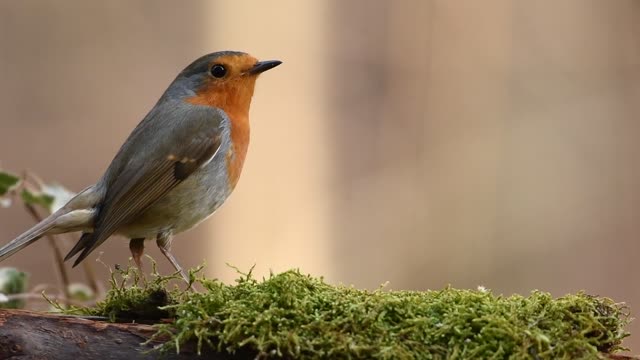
174 170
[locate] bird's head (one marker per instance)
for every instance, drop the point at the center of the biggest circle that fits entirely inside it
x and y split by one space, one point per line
224 79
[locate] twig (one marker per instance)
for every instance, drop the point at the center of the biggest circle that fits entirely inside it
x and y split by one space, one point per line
91 279
32 179
32 296
57 254
40 288
89 273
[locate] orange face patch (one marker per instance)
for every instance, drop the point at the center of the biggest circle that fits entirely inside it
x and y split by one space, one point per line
233 92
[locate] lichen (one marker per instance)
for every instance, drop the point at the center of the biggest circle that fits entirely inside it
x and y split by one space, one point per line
292 315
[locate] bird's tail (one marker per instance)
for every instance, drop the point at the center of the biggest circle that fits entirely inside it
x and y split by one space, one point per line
76 215
28 237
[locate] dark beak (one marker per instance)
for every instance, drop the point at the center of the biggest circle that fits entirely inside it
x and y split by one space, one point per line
262 66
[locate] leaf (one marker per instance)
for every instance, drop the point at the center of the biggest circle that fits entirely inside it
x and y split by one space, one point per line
60 195
80 292
37 198
7 182
12 281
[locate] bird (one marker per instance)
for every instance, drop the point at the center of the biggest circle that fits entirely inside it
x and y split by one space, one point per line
176 168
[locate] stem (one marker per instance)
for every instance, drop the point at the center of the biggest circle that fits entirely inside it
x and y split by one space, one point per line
89 273
57 254
32 296
91 278
32 179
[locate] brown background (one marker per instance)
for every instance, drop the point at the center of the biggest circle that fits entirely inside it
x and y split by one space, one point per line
419 142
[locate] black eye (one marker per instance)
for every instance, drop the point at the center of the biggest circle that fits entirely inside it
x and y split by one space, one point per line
218 71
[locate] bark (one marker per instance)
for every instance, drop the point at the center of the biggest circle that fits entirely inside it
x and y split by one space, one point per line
32 335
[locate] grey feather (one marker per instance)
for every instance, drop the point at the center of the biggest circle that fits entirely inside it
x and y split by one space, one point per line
169 145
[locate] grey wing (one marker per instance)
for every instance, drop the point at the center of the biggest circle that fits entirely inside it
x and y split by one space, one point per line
184 142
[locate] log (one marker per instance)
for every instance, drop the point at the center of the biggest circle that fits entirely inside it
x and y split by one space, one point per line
32 335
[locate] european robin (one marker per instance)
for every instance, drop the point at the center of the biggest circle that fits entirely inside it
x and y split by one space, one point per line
174 170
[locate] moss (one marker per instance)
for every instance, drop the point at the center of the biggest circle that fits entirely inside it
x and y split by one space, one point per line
292 315
132 298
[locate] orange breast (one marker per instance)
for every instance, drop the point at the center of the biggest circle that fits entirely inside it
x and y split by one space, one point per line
234 97
238 150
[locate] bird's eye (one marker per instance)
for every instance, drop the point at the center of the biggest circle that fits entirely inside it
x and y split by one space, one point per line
218 71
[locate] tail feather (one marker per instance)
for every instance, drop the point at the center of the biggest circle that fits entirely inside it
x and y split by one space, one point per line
80 245
27 238
76 215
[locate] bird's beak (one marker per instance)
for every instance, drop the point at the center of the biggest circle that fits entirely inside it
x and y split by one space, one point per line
262 66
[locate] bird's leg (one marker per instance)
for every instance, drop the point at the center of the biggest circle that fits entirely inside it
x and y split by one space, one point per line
164 244
137 250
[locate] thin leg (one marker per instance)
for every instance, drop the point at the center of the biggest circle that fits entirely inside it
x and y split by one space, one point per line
137 249
164 244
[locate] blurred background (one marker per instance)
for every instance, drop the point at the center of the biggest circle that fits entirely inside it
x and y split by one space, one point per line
419 142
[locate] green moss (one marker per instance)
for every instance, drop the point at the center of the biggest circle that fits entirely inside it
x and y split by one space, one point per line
132 298
293 315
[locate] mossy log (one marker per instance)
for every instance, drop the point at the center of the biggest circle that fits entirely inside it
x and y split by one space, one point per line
32 335
295 316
